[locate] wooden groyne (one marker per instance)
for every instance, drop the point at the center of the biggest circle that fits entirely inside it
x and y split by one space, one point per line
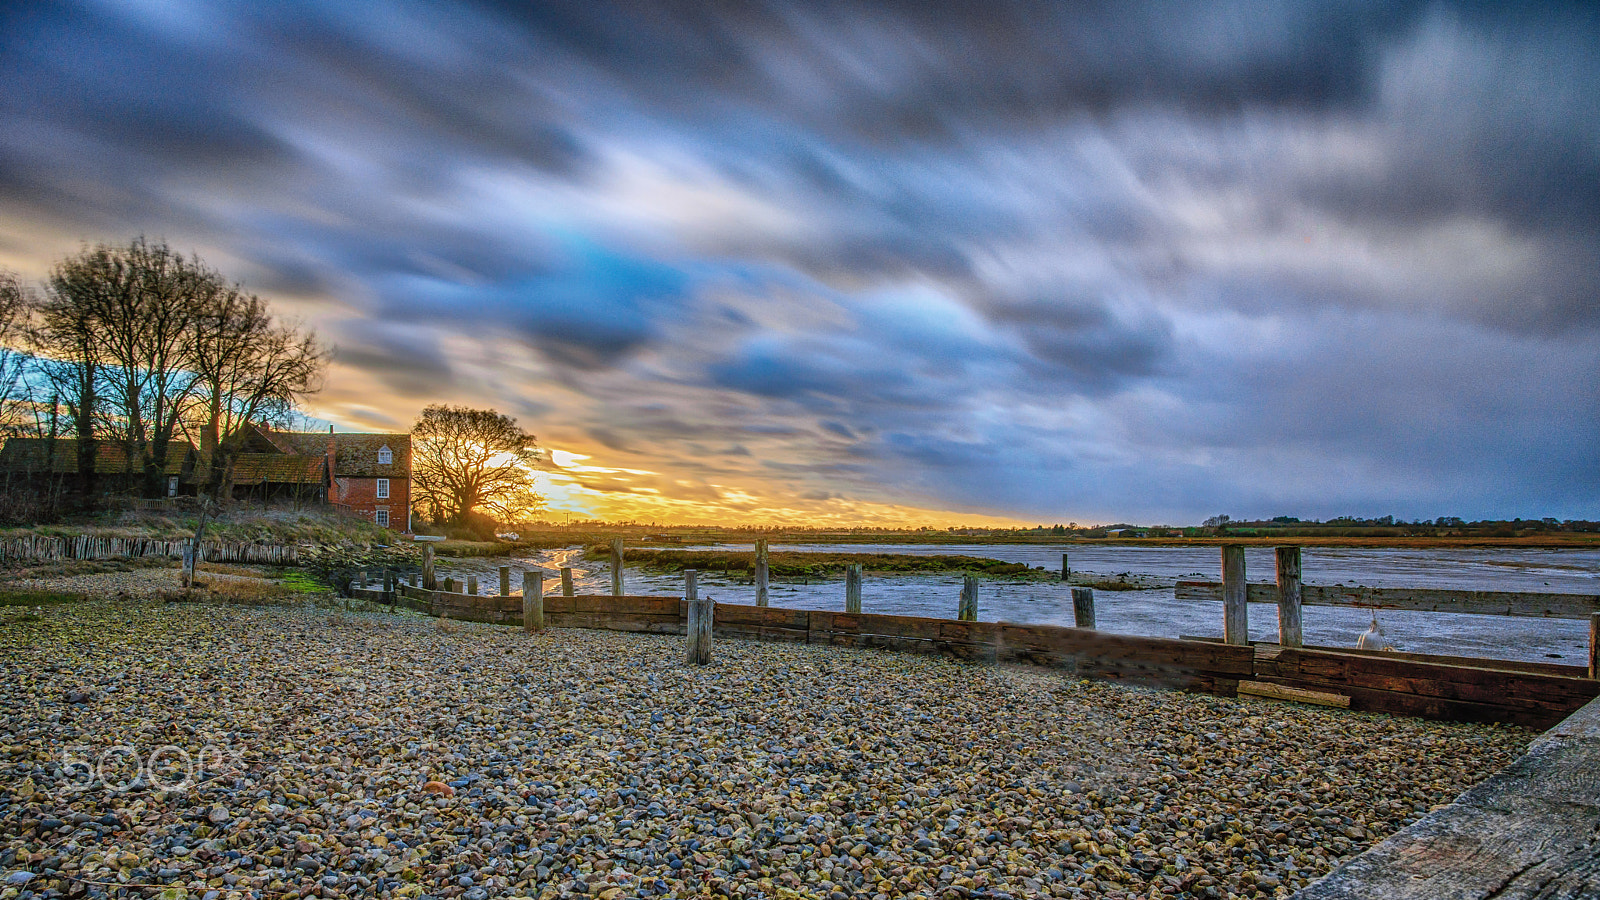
42 548
1531 694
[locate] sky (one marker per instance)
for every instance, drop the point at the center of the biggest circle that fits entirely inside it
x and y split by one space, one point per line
882 263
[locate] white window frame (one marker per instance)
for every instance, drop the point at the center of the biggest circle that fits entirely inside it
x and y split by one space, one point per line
385 455
383 488
382 518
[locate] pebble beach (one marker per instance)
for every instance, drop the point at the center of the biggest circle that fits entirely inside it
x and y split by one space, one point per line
206 750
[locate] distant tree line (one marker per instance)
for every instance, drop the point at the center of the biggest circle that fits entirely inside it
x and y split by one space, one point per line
140 348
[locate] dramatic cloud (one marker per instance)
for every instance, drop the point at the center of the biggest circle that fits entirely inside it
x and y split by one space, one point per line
1040 261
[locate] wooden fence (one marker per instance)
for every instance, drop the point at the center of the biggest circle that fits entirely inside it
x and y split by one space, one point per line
42 548
1532 694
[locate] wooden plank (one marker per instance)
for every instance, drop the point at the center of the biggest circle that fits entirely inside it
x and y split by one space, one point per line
616 567
1594 645
967 607
1477 662
589 603
1528 831
1290 597
672 624
1083 607
1298 695
762 571
698 631
1343 671
1235 605
915 627
532 598
1483 603
1398 703
1085 643
969 632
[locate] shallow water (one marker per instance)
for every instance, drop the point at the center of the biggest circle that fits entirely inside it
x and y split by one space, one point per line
1156 612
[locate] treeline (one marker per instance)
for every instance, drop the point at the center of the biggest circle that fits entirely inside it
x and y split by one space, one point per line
136 352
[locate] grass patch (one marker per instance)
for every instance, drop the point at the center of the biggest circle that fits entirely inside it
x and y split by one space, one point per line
798 565
301 583
37 597
1111 585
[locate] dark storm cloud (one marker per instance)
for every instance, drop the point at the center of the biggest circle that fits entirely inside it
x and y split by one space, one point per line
1032 257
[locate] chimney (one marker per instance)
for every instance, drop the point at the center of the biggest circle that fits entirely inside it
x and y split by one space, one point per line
333 486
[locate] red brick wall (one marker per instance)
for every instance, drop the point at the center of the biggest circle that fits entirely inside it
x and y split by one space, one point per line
361 495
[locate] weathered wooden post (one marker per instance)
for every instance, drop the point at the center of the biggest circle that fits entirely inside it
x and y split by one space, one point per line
1235 597
566 581
1594 645
1083 607
761 573
1066 568
472 585
697 644
505 581
852 588
533 600
449 585
362 583
1289 598
616 567
388 581
429 582
967 611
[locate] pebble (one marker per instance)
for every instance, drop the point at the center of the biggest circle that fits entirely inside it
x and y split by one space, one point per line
596 763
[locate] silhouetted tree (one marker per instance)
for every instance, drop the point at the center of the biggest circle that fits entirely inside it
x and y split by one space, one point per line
464 460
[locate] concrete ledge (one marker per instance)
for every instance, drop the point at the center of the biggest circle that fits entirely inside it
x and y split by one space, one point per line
1532 830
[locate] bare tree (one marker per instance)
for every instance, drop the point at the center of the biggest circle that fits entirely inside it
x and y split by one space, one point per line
249 366
138 341
15 308
69 361
140 301
468 459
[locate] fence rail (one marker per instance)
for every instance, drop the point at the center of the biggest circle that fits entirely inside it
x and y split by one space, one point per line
42 548
1441 600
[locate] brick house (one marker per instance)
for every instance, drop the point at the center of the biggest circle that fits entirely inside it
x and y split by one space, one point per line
371 475
368 474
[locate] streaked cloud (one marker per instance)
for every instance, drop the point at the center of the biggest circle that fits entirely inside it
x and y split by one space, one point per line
1038 261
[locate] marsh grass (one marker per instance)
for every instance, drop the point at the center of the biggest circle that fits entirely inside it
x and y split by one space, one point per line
791 565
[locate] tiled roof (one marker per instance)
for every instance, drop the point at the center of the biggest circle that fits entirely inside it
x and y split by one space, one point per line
60 456
277 468
356 455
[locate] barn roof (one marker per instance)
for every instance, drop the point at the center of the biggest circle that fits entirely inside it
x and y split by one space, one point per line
59 456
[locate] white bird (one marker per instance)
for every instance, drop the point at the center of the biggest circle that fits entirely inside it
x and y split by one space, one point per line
1373 638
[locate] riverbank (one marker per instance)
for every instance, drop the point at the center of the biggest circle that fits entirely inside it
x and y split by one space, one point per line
395 756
